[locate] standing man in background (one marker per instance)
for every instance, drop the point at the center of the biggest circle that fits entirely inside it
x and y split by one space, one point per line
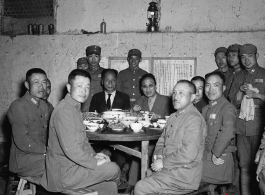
93 55
221 61
233 59
250 128
29 118
129 79
82 63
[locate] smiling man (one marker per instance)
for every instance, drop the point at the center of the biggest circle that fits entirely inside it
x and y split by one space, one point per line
178 154
109 98
128 79
220 117
93 57
249 132
71 162
29 117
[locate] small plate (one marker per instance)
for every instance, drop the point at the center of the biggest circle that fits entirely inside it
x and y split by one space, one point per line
117 129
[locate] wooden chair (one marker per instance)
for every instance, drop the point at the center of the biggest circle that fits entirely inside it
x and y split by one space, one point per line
16 186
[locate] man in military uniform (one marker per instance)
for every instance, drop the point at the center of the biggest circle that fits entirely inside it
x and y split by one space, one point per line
82 63
249 132
221 61
233 59
220 117
46 96
128 79
93 58
29 118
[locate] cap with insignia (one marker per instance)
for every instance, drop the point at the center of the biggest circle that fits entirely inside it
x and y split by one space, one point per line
82 60
233 48
220 50
248 49
134 52
93 49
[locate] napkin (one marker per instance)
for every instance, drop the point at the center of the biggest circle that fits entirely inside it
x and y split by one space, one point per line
247 110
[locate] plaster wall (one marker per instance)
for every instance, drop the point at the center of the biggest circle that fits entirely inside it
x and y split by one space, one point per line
176 16
57 55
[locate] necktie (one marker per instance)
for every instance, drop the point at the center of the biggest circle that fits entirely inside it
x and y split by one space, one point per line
108 102
150 104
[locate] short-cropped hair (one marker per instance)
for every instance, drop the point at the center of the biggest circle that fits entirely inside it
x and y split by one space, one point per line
105 71
190 84
198 78
217 73
77 72
32 71
148 75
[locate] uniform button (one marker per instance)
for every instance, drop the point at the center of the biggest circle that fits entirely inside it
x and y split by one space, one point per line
133 93
133 86
133 79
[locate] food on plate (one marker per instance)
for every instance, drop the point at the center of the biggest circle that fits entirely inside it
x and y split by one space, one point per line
117 126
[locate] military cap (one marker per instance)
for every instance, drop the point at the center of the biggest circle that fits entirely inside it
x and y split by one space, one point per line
134 52
93 49
247 49
220 50
233 48
82 60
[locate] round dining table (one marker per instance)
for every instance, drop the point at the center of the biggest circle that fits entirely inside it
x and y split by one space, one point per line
118 139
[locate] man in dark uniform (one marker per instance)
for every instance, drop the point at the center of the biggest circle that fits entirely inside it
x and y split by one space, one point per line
93 58
200 99
82 63
128 79
220 117
29 119
249 132
233 59
221 62
46 96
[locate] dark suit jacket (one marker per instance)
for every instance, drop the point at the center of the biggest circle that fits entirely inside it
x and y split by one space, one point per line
161 105
98 102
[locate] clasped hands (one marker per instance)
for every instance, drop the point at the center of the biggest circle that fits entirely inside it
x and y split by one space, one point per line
157 164
218 161
245 87
101 158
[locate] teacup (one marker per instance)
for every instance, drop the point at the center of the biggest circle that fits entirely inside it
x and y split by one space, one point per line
161 122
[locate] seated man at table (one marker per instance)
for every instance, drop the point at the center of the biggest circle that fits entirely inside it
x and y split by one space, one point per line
29 118
178 154
71 162
152 101
109 98
220 117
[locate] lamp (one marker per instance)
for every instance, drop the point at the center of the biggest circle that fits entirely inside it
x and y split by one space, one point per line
152 16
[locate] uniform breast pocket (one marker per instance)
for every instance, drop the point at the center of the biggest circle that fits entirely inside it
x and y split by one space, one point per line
211 126
177 136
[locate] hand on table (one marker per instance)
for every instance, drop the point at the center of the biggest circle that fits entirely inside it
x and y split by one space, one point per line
217 161
155 116
157 165
136 107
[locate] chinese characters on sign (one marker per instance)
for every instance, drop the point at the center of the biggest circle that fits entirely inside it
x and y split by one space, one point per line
169 71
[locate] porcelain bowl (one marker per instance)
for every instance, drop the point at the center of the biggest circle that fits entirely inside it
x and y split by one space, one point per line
128 120
136 127
161 123
92 127
113 114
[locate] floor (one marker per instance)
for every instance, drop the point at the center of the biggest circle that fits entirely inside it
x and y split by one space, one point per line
41 191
